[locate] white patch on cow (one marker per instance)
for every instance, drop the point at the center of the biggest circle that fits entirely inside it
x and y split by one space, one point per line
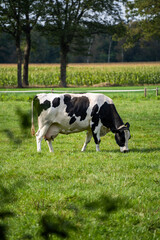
52 132
127 137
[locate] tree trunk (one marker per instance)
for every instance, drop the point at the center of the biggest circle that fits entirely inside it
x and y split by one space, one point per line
122 54
89 49
109 49
19 65
63 68
26 59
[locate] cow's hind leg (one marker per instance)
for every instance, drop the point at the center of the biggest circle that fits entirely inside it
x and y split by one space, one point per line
88 139
49 142
38 140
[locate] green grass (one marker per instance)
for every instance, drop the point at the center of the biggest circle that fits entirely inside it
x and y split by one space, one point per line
90 195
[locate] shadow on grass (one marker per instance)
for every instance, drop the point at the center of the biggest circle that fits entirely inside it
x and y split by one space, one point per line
137 150
103 207
24 125
107 205
7 196
11 136
55 225
145 150
3 226
24 120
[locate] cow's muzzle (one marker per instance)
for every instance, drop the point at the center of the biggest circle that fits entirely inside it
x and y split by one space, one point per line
124 150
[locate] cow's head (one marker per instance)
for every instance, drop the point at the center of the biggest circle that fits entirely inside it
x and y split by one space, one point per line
122 135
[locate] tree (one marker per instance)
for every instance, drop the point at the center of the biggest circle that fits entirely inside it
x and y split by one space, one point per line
68 20
18 18
31 11
10 16
147 16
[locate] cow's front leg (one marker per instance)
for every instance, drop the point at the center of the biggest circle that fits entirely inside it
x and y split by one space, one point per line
96 135
97 140
97 148
49 142
88 139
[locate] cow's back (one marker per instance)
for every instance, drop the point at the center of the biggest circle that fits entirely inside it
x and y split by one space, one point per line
72 111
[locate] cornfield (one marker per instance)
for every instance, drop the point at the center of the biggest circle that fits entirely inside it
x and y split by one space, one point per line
85 74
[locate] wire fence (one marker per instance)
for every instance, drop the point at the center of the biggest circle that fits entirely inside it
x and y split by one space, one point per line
145 90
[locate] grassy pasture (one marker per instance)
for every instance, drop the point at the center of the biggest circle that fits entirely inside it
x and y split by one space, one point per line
105 195
85 74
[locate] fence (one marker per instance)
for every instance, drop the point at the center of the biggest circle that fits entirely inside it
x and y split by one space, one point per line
145 90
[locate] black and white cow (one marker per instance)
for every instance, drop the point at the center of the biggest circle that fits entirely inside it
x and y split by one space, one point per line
71 113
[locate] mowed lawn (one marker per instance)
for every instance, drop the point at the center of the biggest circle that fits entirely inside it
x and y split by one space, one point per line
75 195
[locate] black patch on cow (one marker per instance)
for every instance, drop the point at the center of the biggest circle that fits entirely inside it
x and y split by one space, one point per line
72 120
95 138
110 117
94 110
120 138
76 107
95 120
95 117
56 102
67 98
43 106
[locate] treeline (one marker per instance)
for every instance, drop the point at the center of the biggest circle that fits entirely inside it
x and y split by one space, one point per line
101 49
77 31
68 25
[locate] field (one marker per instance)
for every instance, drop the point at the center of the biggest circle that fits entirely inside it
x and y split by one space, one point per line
85 74
75 195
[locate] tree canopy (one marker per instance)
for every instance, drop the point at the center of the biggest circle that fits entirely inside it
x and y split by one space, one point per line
70 20
147 15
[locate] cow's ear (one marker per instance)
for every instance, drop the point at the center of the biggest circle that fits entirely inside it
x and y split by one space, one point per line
124 127
127 125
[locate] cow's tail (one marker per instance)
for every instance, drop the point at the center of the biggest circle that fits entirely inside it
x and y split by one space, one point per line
32 119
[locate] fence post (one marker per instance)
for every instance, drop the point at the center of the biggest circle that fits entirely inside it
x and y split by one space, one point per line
145 92
157 91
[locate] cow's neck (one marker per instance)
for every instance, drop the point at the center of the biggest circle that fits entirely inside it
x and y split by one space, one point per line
110 117
117 121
